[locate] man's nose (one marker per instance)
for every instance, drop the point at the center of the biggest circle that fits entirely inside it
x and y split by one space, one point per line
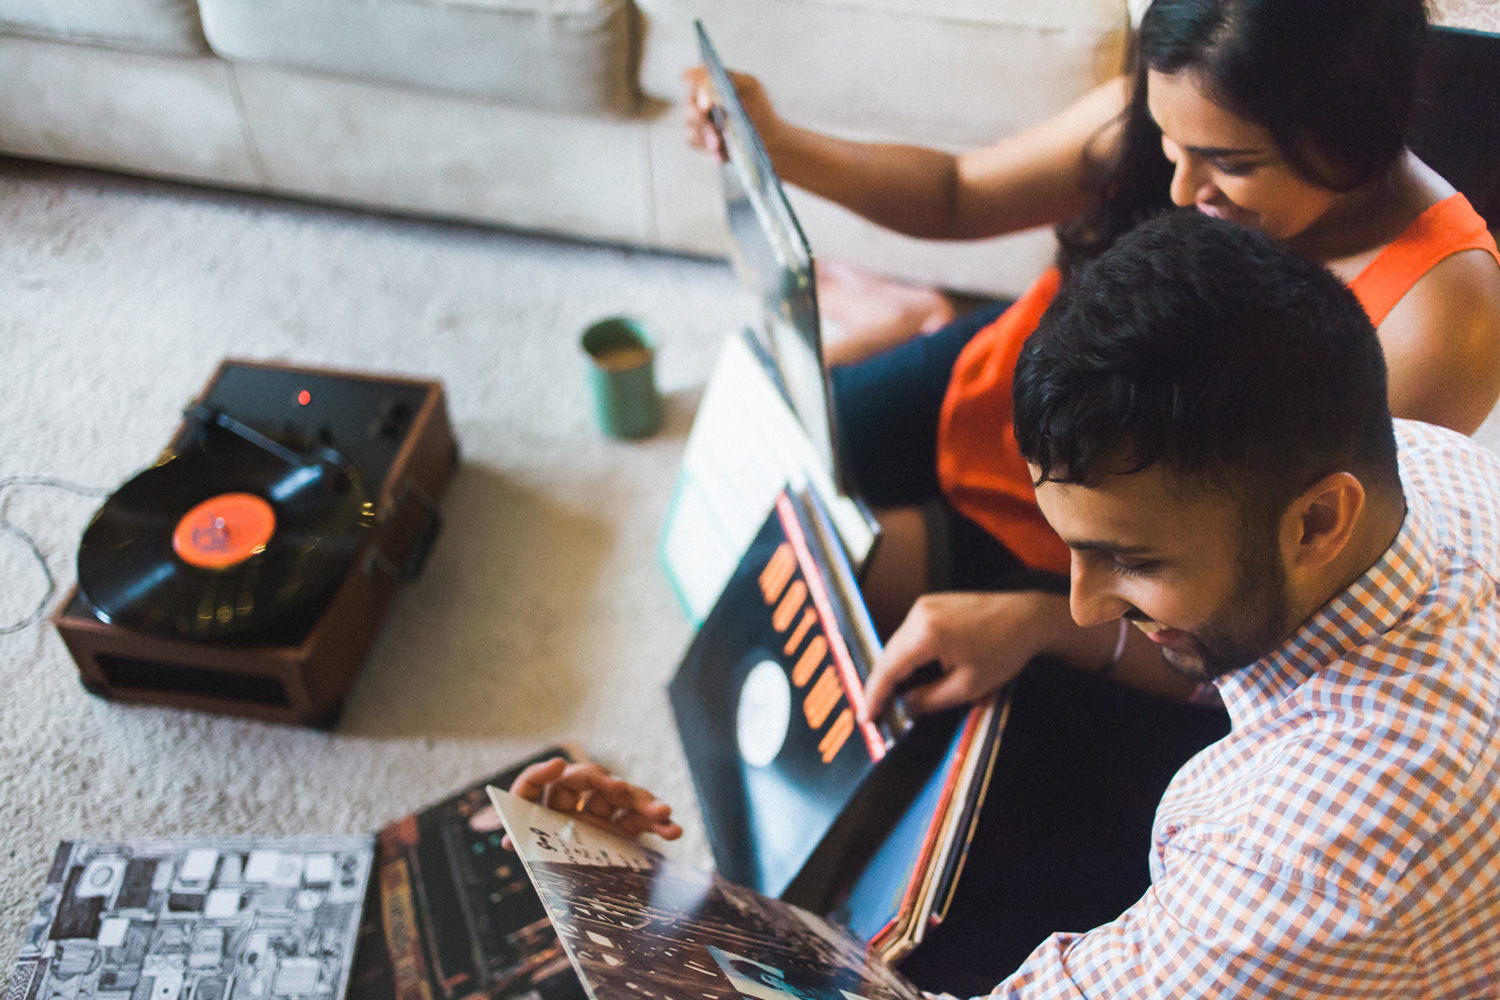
1091 596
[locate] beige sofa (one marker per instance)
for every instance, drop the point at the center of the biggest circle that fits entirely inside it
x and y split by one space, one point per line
550 115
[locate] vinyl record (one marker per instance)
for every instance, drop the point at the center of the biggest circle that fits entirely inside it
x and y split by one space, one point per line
764 717
227 541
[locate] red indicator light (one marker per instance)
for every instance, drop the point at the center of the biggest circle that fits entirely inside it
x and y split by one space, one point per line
304 397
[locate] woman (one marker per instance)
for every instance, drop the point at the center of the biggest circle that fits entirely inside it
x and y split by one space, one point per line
1286 116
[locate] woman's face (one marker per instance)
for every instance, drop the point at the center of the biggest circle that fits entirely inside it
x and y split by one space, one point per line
1226 166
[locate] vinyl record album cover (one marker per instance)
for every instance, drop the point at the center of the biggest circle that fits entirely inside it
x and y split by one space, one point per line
899 886
210 918
636 924
746 445
874 904
773 259
452 915
766 701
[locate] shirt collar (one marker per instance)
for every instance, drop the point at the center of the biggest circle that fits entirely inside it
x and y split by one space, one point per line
1369 608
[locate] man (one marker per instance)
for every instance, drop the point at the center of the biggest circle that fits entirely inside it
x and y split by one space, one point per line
1205 417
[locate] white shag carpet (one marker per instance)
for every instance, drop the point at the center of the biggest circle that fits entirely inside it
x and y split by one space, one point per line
543 614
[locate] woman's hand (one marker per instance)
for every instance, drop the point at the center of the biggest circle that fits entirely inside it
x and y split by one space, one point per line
703 133
596 797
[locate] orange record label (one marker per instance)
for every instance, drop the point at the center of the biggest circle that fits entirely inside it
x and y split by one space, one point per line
224 530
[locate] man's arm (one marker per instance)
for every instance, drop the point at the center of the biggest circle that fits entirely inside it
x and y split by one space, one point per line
1227 921
982 641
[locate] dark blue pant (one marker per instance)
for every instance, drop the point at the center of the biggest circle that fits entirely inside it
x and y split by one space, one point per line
888 407
887 414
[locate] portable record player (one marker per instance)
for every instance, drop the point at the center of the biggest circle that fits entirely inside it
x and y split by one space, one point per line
248 571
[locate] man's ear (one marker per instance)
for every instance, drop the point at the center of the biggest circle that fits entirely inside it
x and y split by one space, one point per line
1319 522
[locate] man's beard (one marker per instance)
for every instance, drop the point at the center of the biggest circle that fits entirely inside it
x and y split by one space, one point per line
1249 625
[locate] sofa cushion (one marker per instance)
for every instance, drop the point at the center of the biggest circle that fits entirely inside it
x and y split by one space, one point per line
169 26
554 55
111 107
419 151
1053 15
950 73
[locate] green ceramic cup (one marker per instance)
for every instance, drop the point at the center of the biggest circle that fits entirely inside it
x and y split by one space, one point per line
622 376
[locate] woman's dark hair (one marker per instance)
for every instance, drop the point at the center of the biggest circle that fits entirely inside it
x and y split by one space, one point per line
1333 81
1214 351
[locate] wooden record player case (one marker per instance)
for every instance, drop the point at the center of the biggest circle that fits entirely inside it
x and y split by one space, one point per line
304 684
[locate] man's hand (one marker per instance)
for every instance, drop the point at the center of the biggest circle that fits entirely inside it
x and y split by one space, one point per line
596 797
980 642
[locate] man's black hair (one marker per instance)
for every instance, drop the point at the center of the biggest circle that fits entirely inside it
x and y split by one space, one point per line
1209 348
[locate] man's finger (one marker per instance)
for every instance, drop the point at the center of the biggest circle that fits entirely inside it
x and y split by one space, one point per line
947 691
907 651
882 681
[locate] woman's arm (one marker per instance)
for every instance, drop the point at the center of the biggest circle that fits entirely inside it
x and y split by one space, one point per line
1034 178
1442 344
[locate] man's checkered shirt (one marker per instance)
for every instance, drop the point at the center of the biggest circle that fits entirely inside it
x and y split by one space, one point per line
1344 839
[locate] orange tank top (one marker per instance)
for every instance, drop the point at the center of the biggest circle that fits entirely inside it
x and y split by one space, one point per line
979 464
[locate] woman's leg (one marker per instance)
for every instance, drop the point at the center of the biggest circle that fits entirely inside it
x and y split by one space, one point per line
886 409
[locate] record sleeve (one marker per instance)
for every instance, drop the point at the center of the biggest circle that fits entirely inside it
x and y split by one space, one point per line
847 600
973 803
636 924
196 919
873 904
773 259
746 445
767 417
451 914
907 879
766 701
948 833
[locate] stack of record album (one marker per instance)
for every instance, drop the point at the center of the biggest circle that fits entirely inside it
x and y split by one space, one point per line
905 887
767 701
869 823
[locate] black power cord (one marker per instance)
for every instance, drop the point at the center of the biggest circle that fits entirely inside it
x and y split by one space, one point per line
41 560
